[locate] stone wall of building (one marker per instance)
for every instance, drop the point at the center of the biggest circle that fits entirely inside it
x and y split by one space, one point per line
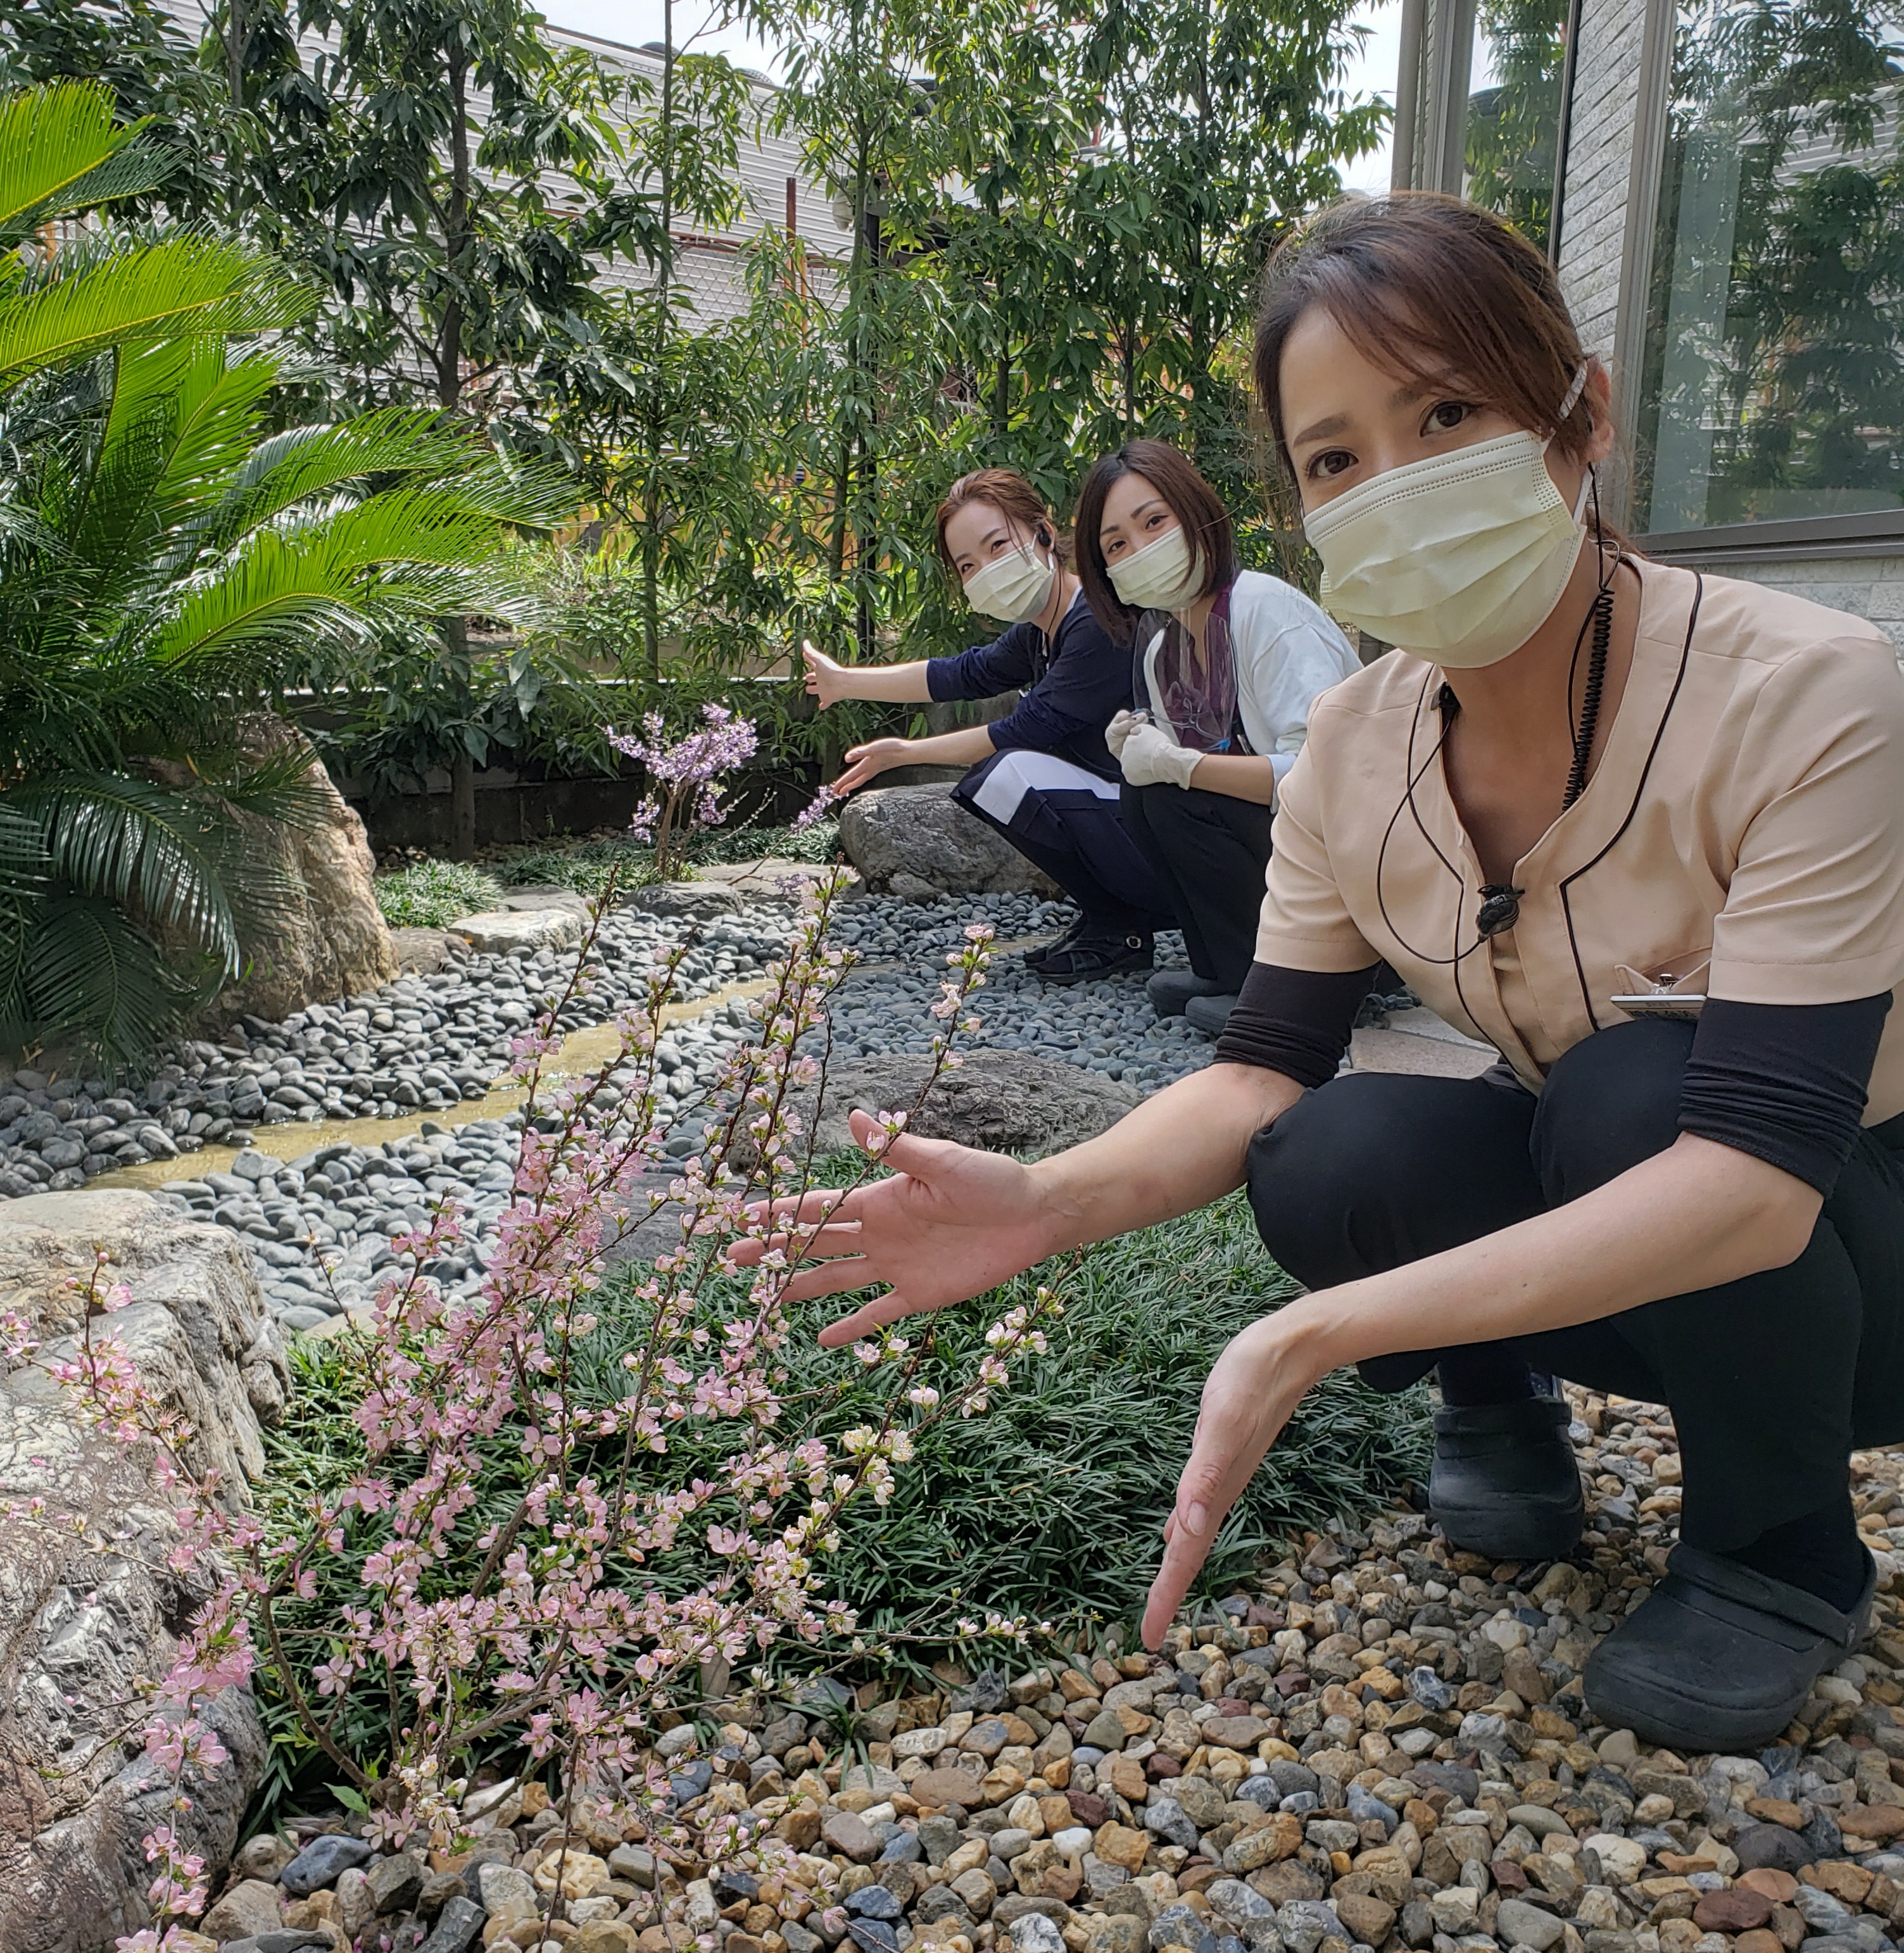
1868 586
1599 163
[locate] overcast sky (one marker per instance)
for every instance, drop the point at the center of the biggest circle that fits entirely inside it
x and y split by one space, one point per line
634 21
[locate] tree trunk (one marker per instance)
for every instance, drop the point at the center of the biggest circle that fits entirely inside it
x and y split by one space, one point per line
449 375
463 807
457 242
651 497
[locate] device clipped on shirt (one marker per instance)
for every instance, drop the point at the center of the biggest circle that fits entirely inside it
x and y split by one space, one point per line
1681 997
1660 1003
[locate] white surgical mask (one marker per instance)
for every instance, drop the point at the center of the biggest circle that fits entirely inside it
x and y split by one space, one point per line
1459 558
1162 576
1012 588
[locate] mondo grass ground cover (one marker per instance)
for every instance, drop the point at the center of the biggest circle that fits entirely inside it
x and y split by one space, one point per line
1050 1507
432 895
585 866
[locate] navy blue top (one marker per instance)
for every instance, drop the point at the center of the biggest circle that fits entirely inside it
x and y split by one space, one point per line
1072 687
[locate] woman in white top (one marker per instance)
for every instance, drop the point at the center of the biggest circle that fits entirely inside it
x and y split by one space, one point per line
1228 663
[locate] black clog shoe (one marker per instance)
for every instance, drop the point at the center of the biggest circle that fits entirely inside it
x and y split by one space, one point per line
1504 1482
1720 1658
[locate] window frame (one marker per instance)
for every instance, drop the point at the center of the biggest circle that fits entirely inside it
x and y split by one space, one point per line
1876 532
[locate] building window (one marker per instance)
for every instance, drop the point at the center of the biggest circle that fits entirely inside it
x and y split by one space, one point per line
1771 381
1513 112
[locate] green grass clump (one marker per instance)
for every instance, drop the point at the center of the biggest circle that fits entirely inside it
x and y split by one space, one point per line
586 866
433 894
818 843
1052 1504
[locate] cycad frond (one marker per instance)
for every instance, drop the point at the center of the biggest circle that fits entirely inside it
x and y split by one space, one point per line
138 845
182 417
82 974
396 554
57 146
22 855
306 462
179 287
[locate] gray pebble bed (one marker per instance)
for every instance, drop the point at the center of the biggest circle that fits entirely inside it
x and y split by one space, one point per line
322 1223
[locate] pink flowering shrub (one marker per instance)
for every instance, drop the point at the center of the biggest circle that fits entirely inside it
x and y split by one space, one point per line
818 808
505 1563
683 777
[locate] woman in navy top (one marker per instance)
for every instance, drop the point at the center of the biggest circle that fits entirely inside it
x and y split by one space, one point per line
1041 776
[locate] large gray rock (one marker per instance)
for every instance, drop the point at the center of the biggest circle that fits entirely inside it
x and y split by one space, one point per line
548 897
922 833
84 1614
698 900
327 938
427 950
517 932
1003 1101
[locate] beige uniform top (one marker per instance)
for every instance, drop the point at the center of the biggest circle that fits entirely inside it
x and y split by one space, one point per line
1743 834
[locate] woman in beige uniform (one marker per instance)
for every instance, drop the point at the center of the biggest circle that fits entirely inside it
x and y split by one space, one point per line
1643 831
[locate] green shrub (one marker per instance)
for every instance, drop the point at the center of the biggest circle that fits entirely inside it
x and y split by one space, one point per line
435 894
1050 1506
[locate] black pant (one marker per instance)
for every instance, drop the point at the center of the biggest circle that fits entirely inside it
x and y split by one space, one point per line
1075 833
1772 1381
1210 851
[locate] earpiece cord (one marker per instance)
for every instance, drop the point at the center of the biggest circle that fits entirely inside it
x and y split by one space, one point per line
1407 801
1600 616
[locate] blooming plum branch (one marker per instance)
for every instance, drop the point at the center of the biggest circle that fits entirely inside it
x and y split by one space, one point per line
683 775
521 1556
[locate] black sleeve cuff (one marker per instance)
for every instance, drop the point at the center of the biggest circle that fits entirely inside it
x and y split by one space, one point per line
1785 1083
1294 1021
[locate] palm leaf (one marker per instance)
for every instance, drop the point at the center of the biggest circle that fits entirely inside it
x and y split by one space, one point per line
87 976
60 151
22 855
182 417
180 286
402 553
134 843
306 462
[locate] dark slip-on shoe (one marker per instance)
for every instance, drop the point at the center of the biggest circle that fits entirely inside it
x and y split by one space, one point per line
1504 1482
1720 1658
1095 954
1170 990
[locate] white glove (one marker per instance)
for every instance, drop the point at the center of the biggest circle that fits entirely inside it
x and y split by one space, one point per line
1122 725
1150 757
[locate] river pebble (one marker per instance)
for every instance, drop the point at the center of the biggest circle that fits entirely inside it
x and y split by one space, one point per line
1278 1779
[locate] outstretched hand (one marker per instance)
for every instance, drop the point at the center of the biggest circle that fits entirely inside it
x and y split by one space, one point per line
826 680
1248 1397
867 762
950 1224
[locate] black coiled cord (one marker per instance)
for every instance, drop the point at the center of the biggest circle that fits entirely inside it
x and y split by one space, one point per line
1596 679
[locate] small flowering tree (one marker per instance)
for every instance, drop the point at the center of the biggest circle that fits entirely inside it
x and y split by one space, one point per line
683 777
561 1623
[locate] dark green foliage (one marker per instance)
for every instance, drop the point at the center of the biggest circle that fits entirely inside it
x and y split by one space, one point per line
166 564
1052 1504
